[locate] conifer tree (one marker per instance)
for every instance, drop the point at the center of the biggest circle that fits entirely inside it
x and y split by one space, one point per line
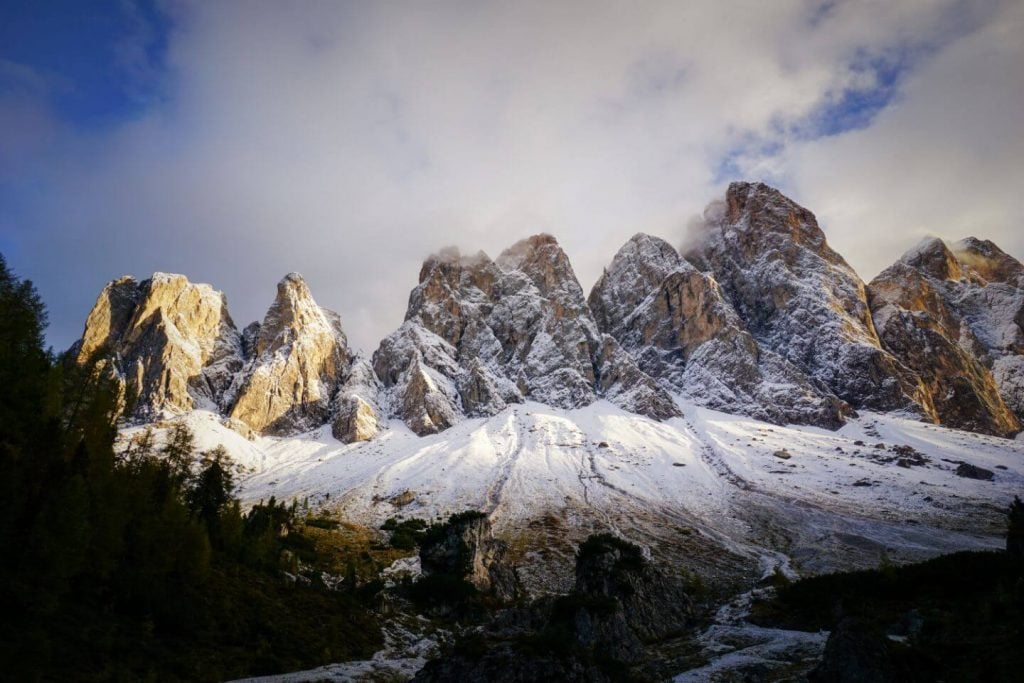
1015 528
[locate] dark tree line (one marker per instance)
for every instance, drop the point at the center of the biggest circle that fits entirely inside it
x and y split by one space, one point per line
140 563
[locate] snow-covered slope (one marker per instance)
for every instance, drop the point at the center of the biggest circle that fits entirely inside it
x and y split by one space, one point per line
728 496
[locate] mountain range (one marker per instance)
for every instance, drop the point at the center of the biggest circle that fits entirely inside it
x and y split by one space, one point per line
742 410
759 317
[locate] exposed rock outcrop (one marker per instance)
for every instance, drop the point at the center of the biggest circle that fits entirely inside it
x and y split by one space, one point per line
172 342
465 547
598 632
913 304
800 299
653 604
855 653
300 357
357 412
991 301
681 330
481 334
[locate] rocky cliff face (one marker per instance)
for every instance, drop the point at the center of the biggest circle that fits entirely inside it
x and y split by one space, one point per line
761 318
480 334
300 358
919 306
357 413
991 302
800 299
171 341
681 330
465 547
620 605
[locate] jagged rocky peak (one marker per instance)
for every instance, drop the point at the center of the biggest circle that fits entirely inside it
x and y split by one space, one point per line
933 258
480 334
800 299
541 319
300 357
451 289
680 329
949 315
991 300
171 341
541 258
988 262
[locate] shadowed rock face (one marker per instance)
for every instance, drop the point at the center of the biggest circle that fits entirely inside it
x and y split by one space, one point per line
300 358
916 305
800 299
466 548
480 334
172 342
680 329
620 604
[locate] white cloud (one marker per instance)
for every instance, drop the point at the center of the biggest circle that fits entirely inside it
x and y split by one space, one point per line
349 141
945 159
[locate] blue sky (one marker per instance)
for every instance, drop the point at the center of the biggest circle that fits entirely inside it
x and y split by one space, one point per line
95 63
239 141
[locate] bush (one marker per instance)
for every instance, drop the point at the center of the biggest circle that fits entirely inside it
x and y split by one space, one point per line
323 523
630 555
407 534
969 606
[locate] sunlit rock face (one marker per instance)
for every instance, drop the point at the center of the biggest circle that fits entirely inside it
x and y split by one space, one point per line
800 299
172 342
991 302
480 334
932 311
299 359
676 323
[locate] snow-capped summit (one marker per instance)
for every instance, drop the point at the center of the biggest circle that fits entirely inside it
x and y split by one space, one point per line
800 298
488 333
676 323
300 357
987 262
760 317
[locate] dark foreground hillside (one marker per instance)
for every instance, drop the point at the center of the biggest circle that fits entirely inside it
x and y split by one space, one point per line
957 617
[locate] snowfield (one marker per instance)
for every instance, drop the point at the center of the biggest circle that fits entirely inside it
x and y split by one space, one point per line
723 495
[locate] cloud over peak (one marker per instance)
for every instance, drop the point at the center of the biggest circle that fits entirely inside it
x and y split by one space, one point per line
349 140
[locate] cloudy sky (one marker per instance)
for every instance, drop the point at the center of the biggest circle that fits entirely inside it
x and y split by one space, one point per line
237 141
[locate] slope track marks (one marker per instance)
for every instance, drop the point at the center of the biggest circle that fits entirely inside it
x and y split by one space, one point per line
493 495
